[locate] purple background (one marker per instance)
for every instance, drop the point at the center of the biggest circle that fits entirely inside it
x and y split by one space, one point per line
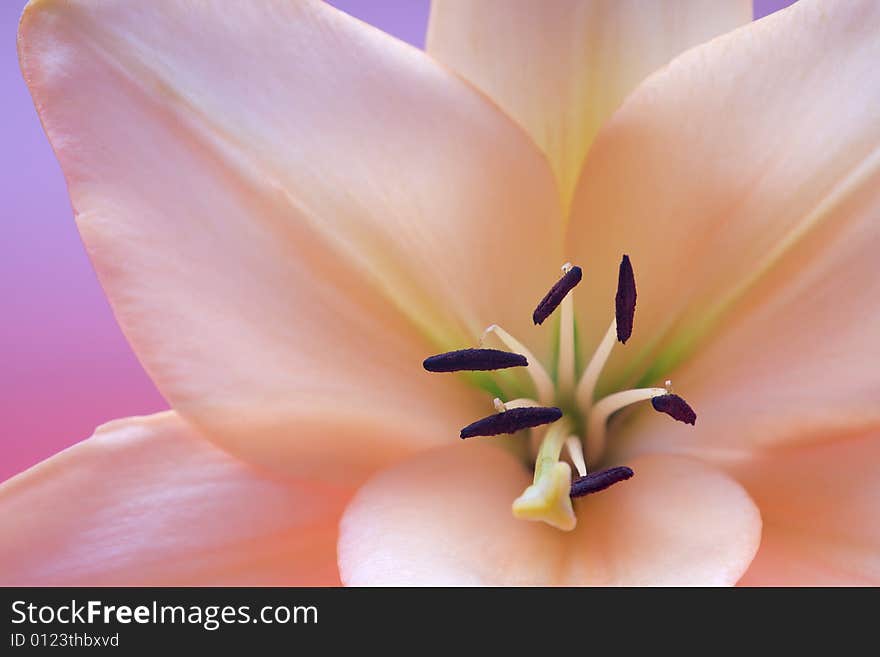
64 365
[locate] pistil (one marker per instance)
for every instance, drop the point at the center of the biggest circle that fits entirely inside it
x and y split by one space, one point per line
548 499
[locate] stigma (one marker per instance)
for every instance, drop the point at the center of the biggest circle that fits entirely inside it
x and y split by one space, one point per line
559 422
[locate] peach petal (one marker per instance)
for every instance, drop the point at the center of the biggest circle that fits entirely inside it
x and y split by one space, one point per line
443 517
821 510
718 167
146 501
795 363
289 210
561 68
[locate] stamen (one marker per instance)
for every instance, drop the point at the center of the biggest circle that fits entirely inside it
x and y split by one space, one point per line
556 294
675 407
565 368
474 359
587 386
520 402
539 376
605 408
549 497
620 329
511 421
625 301
597 481
576 454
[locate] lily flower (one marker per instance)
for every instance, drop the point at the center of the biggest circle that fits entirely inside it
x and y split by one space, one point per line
295 215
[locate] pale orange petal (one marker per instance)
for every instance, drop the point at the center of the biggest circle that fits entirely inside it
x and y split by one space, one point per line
444 518
147 501
797 360
718 166
561 68
289 210
821 510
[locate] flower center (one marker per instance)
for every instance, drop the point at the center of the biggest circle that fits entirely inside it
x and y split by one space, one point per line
563 419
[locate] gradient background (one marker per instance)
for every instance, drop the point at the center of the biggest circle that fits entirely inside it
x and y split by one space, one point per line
64 366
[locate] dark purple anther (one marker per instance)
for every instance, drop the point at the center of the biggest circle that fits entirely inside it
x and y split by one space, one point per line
512 421
625 301
556 294
474 359
675 407
596 481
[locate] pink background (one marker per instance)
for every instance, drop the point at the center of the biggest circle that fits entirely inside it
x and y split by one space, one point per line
64 365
